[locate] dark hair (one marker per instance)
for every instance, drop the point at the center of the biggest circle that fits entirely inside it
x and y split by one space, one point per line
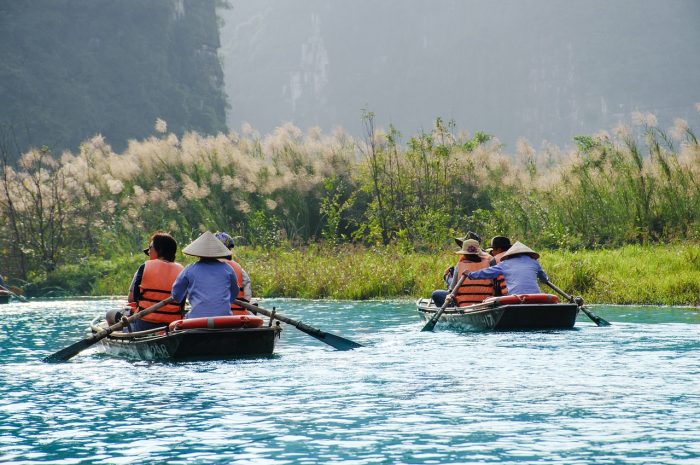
500 242
164 245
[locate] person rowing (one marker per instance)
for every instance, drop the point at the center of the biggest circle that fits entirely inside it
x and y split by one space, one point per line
152 283
209 284
469 292
520 269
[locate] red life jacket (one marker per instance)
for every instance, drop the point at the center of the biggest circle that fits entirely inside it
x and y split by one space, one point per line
472 291
156 285
235 308
499 284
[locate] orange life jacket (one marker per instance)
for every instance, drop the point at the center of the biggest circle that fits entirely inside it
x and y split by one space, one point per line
156 285
499 284
473 291
235 308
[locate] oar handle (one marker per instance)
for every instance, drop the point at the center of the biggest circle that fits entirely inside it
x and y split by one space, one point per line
434 319
282 318
599 321
67 353
564 294
333 340
128 320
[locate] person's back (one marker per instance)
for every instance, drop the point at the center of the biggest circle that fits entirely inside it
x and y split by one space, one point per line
156 283
208 288
520 269
469 292
472 291
520 274
210 285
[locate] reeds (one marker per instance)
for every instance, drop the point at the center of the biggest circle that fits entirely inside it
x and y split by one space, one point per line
289 189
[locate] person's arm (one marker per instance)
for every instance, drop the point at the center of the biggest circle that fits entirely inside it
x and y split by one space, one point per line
448 275
541 274
247 291
179 292
135 288
453 279
486 273
233 285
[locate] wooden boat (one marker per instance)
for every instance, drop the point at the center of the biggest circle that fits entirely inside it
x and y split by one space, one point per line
507 313
4 297
177 342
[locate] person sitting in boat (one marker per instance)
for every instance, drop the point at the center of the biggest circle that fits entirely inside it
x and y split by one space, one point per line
470 292
209 284
448 275
499 246
152 283
520 269
244 292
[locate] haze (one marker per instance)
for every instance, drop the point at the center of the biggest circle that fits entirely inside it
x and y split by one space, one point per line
543 70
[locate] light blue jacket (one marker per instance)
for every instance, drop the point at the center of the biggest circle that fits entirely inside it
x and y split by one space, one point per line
520 273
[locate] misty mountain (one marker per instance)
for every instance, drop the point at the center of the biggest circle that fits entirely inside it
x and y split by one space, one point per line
545 70
70 69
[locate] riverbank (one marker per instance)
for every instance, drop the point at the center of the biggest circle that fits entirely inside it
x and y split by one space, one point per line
654 275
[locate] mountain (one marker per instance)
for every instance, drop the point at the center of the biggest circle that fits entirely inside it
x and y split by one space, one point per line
73 68
545 70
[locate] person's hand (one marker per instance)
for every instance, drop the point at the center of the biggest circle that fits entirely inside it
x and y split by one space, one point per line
449 271
466 273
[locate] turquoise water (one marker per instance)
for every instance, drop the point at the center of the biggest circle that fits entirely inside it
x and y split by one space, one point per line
627 394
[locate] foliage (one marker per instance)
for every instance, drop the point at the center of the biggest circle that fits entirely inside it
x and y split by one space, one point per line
297 188
632 274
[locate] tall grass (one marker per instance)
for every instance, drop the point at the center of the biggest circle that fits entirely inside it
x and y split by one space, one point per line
632 274
289 189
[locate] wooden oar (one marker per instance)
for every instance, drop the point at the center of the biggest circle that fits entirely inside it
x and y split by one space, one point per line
66 354
433 321
21 298
579 301
337 342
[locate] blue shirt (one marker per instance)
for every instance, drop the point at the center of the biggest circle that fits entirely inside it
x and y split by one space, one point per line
209 285
520 273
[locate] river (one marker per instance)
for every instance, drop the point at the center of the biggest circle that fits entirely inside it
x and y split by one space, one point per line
625 394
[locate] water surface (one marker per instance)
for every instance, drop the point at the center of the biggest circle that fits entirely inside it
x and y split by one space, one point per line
627 394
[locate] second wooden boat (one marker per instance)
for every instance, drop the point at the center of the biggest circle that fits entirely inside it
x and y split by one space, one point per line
508 313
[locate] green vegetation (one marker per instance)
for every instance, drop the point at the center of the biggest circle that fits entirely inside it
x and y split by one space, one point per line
73 219
633 274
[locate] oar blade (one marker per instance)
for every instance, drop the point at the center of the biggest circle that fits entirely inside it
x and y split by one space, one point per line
430 325
596 319
337 342
69 352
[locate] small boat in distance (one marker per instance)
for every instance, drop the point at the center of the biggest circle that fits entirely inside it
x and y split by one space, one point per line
196 338
506 313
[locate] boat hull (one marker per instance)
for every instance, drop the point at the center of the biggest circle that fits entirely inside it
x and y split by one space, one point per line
194 344
504 317
4 298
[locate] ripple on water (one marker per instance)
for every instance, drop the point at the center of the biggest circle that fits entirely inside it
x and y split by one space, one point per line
624 394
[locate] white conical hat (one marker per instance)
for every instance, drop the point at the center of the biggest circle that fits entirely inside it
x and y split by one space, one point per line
207 246
519 249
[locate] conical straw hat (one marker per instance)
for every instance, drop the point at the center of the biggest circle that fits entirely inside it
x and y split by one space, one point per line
519 249
207 246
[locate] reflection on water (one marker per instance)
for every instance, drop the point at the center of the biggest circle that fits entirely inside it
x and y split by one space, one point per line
624 394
